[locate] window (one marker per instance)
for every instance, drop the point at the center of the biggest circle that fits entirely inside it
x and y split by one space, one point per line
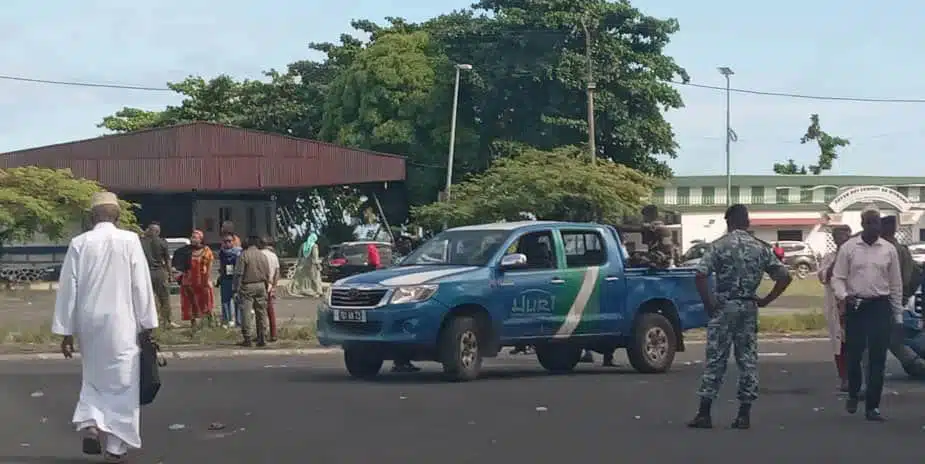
658 196
684 195
539 250
922 235
224 214
790 235
251 221
830 193
806 194
583 248
783 195
734 195
904 191
757 195
708 196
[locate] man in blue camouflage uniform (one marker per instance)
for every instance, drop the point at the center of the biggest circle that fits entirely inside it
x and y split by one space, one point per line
739 261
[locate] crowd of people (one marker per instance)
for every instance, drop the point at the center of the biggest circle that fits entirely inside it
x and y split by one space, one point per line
248 276
869 279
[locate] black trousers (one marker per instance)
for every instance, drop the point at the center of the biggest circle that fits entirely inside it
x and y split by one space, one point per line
868 327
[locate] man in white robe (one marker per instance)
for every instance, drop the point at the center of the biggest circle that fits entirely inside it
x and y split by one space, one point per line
105 299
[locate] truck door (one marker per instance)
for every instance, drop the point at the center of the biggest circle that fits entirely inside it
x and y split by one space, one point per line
590 285
531 294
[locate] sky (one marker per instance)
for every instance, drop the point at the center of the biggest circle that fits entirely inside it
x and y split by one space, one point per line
823 47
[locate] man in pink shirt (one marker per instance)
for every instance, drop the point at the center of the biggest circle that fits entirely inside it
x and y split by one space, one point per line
868 287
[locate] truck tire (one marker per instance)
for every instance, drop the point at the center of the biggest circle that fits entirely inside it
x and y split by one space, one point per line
362 363
653 345
460 349
558 358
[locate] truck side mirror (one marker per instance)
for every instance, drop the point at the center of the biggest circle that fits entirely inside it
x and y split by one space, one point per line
513 261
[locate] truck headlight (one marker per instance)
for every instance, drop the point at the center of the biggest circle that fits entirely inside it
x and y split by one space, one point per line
412 294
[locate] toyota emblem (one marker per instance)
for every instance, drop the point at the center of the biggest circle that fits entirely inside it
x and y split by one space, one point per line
353 293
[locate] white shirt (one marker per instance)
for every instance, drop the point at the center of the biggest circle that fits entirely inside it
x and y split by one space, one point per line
868 271
105 299
274 264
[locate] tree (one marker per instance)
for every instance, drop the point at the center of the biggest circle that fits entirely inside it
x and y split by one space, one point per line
553 185
46 201
828 150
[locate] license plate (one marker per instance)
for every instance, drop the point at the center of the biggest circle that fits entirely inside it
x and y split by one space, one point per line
341 315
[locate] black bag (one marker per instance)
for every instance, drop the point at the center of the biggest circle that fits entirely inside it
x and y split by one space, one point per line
150 364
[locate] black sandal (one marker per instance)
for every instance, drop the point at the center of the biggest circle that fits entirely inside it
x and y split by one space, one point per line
91 443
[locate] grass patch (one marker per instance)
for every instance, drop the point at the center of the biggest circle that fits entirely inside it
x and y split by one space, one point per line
40 339
808 287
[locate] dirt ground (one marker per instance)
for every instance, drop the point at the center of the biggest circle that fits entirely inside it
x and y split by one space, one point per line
24 310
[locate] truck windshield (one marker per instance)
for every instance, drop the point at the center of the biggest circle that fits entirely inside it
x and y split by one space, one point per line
460 247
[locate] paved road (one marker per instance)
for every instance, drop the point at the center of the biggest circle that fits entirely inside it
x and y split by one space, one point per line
287 410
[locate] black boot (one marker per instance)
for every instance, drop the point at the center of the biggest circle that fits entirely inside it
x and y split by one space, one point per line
743 419
246 343
703 420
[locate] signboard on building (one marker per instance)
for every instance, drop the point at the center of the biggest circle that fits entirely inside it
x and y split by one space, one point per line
870 194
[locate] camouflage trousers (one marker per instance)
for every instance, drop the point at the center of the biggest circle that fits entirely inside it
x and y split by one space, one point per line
735 325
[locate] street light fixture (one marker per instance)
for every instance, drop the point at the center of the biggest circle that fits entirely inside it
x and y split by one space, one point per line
449 161
725 71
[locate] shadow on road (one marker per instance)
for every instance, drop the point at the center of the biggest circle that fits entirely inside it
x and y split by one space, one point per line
496 373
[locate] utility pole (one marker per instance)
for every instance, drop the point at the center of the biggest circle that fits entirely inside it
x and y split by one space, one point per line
452 150
725 71
592 146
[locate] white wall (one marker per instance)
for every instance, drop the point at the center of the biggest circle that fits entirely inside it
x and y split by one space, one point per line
207 215
709 226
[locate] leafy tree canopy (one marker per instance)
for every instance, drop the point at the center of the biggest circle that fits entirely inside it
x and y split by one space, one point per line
828 150
551 185
41 200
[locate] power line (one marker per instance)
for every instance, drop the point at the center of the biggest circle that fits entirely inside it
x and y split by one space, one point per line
804 96
85 84
687 84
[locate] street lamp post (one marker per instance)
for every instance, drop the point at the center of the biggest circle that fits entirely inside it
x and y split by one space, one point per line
725 71
449 161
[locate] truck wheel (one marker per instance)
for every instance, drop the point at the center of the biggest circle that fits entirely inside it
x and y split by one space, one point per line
362 363
803 270
460 349
653 345
558 358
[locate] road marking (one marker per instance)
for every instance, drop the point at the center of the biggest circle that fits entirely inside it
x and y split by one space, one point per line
772 355
581 301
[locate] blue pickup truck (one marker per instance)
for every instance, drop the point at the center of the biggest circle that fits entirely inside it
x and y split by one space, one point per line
469 291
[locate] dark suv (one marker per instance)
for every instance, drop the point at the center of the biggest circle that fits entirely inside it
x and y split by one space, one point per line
799 257
351 258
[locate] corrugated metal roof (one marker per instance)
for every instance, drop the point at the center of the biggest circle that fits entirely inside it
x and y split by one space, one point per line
210 157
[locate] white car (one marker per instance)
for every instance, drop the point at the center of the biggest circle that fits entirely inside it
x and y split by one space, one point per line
918 252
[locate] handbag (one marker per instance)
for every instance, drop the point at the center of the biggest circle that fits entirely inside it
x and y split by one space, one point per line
150 364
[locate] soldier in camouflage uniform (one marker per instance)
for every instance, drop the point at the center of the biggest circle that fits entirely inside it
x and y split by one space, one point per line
660 252
739 261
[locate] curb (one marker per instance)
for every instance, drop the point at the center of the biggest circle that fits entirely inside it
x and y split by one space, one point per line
204 354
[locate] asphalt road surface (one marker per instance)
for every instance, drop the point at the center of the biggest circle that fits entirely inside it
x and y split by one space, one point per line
300 410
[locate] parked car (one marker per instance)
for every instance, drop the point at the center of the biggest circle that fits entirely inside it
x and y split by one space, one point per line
470 291
692 256
799 257
351 258
918 252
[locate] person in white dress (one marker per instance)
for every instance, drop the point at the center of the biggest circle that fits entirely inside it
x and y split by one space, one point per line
835 325
106 301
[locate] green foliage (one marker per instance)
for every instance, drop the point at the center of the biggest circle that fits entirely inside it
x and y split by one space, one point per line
40 200
393 90
828 150
551 185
